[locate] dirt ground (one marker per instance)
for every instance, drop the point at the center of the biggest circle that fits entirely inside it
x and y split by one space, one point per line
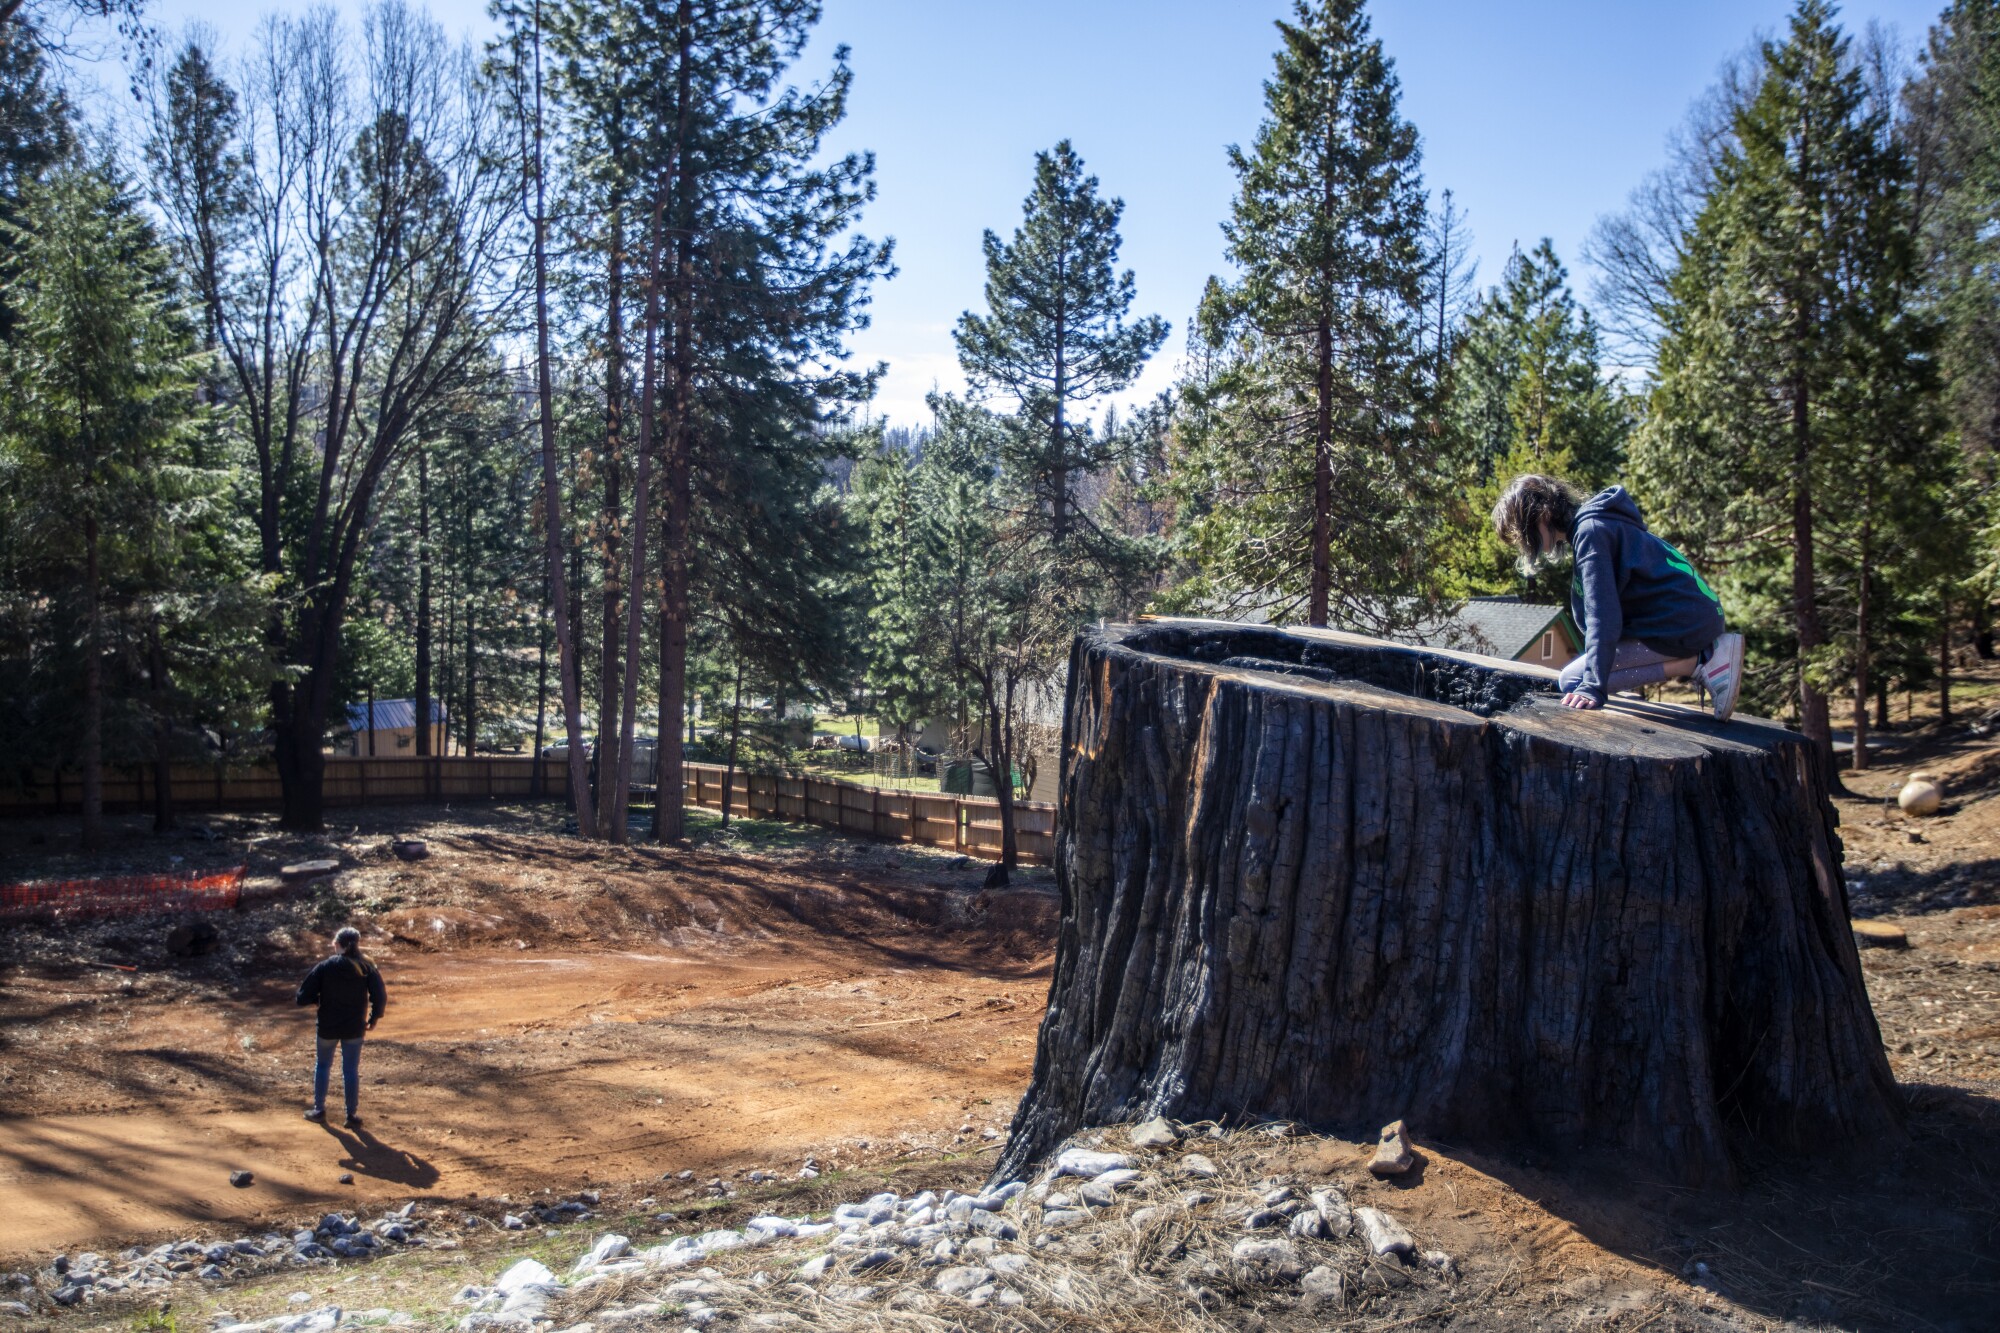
557 1013
563 1014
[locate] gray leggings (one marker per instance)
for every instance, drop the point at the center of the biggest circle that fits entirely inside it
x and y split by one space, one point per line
1632 664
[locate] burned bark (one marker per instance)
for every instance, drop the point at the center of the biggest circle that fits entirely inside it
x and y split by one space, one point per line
1314 877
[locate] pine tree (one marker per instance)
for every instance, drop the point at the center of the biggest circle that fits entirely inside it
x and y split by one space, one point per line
900 680
752 279
37 130
95 426
1309 473
1055 335
1790 390
1528 393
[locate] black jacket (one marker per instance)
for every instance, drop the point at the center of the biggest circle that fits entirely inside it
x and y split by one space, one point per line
349 994
1631 585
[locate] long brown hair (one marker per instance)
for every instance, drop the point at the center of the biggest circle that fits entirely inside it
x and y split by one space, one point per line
348 940
1532 504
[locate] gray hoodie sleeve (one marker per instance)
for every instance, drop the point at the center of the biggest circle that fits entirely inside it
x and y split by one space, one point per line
1603 615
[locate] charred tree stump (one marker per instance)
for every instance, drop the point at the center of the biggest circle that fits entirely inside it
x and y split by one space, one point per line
1320 878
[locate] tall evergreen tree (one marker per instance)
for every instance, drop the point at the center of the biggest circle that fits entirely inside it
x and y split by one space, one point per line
1309 474
1528 393
1791 380
95 420
1055 336
37 130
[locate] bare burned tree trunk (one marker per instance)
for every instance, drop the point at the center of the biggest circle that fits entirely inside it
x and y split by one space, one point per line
1321 878
92 749
566 665
163 731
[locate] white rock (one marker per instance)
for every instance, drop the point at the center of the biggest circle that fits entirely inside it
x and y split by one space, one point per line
1011 1190
1084 1162
962 1281
772 1226
1268 1259
1324 1286
1196 1164
993 1225
1064 1217
812 1270
323 1320
526 1273
606 1249
1385 1235
1008 1264
1118 1178
1920 797
1155 1133
714 1242
530 1301
674 1254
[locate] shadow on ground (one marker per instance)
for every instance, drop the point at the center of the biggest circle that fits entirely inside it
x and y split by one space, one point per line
1900 1235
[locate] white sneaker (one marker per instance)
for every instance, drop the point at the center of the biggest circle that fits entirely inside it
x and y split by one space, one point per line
1722 674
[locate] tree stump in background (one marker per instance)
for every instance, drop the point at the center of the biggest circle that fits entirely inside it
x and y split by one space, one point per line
1321 878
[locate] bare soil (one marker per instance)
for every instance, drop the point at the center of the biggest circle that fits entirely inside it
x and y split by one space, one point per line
558 1014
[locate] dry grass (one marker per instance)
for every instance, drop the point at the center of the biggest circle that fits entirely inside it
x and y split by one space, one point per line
1152 1262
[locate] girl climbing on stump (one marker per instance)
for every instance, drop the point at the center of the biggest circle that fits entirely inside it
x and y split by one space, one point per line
1646 615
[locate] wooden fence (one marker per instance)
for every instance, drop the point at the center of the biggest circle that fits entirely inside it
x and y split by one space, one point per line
966 824
349 782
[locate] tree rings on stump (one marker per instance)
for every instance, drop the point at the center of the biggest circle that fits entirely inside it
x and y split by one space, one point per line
1322 878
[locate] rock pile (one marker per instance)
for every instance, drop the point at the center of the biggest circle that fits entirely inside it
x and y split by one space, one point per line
1096 1231
81 1279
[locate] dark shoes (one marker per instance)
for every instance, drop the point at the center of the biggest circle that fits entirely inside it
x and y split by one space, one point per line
353 1120
316 1114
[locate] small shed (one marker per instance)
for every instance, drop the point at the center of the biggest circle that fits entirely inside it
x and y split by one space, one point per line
390 730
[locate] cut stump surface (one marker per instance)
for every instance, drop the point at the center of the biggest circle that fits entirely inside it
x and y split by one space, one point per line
1316 877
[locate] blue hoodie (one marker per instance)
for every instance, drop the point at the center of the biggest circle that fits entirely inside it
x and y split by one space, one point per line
1631 585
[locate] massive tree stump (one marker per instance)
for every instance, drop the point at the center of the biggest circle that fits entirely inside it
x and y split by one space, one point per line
1326 879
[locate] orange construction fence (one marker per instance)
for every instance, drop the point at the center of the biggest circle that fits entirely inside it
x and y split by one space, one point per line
124 895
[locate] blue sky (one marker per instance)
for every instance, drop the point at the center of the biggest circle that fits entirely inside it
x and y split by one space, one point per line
1539 115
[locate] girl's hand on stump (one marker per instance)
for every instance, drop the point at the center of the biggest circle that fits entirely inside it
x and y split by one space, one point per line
1576 700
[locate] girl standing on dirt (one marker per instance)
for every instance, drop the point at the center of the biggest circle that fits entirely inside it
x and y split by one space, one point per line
349 992
1646 615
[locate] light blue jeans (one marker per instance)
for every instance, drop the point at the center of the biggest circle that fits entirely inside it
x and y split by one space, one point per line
1632 664
350 1071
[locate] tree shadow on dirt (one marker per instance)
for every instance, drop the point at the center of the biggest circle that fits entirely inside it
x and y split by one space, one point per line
369 1156
1902 1234
1901 891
